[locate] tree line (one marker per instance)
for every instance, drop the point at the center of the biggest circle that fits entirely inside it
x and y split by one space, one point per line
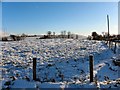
104 36
14 37
63 34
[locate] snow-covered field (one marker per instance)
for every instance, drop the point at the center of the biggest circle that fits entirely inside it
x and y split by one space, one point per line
61 63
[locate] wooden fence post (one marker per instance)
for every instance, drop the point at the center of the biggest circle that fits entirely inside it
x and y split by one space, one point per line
115 48
34 68
91 67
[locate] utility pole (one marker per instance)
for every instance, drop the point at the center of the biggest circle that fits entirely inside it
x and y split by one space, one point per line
34 68
91 67
108 31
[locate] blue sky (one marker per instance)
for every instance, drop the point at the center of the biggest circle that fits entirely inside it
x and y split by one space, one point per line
119 18
77 17
0 15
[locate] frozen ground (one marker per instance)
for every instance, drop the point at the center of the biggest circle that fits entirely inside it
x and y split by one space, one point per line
61 63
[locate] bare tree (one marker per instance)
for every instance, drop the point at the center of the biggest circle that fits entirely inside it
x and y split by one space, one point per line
95 35
64 33
49 33
54 34
23 36
13 37
76 36
69 34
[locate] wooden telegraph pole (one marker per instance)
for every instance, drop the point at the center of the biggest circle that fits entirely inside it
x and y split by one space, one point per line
115 48
34 68
91 67
108 31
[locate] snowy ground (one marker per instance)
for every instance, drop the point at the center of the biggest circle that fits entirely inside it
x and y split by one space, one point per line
61 63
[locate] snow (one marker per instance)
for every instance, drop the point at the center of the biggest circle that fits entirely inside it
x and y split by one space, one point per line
23 84
61 63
